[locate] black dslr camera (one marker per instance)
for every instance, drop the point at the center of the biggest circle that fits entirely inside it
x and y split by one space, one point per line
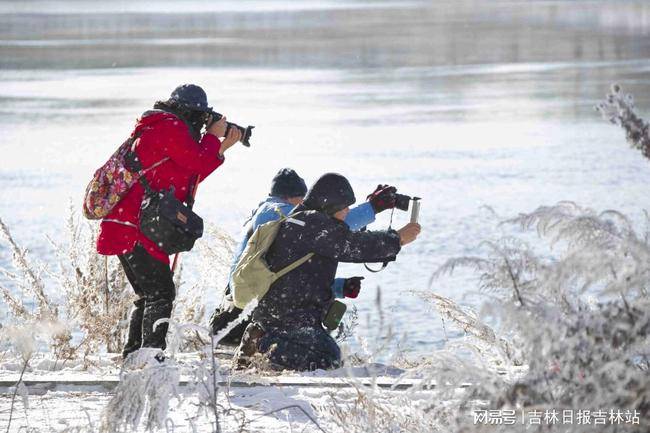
246 133
402 201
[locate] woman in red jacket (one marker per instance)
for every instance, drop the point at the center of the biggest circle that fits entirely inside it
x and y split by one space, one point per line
170 132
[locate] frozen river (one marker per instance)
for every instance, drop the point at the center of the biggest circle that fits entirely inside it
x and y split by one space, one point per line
462 103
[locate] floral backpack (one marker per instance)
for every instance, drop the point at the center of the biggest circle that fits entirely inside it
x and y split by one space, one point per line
113 180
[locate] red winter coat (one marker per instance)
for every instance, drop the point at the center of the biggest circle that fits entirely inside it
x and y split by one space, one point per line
163 135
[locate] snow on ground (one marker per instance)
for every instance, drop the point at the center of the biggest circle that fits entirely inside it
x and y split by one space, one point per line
85 389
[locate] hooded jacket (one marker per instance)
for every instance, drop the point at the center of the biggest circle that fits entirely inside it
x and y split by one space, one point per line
302 297
163 135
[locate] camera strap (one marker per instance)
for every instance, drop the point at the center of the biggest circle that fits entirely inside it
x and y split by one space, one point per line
383 266
191 194
374 271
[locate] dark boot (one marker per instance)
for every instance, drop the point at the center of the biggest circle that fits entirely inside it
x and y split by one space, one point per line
153 311
220 319
249 345
134 339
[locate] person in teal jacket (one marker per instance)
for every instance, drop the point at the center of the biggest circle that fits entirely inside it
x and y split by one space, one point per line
287 191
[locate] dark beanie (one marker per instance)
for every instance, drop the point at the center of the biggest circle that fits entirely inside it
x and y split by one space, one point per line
330 194
287 183
190 96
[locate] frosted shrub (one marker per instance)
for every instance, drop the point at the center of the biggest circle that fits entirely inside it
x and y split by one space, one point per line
563 326
93 296
374 412
97 295
619 109
579 317
214 253
26 275
147 384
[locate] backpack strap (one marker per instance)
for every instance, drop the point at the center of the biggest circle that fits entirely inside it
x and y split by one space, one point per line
154 165
191 193
124 223
136 165
282 272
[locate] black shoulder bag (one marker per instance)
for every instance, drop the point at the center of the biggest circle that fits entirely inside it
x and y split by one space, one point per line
165 220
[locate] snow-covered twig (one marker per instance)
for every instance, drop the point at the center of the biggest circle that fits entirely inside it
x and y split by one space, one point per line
13 397
32 282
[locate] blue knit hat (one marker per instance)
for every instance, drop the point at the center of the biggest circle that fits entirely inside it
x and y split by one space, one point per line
287 183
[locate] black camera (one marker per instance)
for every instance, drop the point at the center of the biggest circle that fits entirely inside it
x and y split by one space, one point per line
246 132
402 201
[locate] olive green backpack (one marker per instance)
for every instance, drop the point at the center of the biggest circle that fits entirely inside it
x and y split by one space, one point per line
252 277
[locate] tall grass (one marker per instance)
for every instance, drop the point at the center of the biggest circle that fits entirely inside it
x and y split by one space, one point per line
87 295
570 327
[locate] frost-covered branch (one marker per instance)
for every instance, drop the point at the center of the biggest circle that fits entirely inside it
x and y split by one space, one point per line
29 274
580 334
579 352
619 109
13 397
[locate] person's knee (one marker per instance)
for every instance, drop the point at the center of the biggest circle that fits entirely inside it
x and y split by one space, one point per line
163 291
309 349
162 295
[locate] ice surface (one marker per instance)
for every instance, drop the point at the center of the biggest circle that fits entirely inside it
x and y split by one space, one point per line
81 397
511 126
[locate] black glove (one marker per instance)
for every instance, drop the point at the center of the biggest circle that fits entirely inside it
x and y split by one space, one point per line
382 198
352 287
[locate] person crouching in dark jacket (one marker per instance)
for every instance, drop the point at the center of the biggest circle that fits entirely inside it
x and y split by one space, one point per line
169 140
287 323
288 190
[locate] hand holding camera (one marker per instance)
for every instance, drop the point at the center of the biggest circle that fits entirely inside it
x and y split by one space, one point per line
232 136
386 197
223 129
216 127
220 129
352 287
382 198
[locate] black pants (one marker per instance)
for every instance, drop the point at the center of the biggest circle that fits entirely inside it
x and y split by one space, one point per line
301 348
153 282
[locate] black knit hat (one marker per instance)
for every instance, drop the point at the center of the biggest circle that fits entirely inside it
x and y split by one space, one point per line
287 183
191 97
330 194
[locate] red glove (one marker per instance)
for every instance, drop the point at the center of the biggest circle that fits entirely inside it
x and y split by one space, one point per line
383 198
352 287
